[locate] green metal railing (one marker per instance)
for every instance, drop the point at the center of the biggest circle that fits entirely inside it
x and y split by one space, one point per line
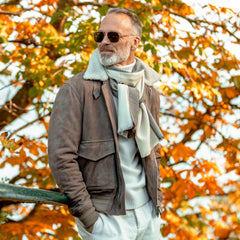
10 192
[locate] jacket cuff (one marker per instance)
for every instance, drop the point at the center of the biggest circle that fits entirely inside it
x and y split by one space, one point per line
89 217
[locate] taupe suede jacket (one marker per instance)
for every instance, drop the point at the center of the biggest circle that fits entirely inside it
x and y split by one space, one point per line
83 149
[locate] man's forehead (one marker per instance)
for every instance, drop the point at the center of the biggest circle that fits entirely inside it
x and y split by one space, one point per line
114 22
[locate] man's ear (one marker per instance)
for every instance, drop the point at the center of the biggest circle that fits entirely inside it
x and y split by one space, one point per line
136 43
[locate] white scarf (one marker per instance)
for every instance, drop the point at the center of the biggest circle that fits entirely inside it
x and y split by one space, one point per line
148 134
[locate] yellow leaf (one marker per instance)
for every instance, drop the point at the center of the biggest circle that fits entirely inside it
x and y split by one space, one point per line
173 218
216 92
48 28
186 10
41 83
9 144
167 71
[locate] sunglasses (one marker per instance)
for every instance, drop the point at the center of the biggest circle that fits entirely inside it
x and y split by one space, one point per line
112 36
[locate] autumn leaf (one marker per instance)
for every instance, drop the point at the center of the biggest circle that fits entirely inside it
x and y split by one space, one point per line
181 152
221 229
9 144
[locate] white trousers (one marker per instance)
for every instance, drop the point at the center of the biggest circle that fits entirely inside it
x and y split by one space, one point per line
138 224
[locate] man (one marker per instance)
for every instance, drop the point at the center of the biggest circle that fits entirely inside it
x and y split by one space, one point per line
103 135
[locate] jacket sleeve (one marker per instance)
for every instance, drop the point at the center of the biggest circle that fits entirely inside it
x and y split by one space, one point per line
155 108
63 141
155 104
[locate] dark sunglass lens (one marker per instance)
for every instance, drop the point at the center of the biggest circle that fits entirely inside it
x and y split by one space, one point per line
98 36
113 36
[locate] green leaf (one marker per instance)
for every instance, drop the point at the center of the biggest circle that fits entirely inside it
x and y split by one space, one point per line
236 81
103 10
56 16
158 7
3 40
169 180
10 144
21 51
163 43
121 3
33 92
27 62
213 46
5 59
147 47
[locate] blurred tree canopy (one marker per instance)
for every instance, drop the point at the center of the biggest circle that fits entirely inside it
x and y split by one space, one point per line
44 42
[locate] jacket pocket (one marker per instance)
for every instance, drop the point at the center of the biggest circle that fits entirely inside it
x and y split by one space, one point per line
97 164
96 150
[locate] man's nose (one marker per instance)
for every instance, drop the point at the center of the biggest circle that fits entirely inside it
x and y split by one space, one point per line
105 39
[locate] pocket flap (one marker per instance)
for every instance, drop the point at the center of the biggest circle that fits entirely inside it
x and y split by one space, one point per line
96 150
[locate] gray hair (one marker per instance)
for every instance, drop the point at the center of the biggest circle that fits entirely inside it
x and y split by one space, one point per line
134 18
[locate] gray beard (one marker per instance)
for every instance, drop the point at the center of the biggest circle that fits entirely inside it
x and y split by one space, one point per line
115 58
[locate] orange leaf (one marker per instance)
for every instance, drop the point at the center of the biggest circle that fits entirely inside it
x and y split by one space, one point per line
221 230
191 193
180 151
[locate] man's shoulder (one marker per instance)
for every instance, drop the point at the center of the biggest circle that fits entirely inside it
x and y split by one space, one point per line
78 81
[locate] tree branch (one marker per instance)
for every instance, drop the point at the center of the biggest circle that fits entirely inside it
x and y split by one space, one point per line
198 21
16 106
96 4
11 2
28 124
25 41
15 13
61 18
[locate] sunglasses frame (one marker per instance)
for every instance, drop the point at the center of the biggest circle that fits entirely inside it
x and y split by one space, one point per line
109 36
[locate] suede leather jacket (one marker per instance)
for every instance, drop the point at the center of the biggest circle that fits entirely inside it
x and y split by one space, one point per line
83 149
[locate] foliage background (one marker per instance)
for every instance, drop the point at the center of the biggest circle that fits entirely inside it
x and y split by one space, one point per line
44 42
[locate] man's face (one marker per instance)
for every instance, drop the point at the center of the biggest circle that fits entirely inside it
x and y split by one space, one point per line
121 52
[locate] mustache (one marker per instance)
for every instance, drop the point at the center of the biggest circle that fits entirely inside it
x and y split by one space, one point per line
106 48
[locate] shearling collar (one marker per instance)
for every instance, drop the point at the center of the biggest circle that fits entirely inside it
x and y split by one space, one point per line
96 70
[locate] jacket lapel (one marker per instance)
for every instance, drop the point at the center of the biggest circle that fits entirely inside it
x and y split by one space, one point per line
110 106
120 194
